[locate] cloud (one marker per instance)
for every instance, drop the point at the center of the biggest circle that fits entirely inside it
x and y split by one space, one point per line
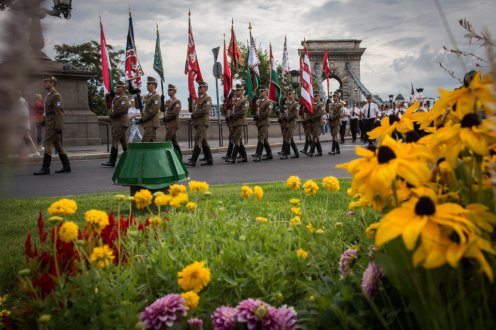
404 39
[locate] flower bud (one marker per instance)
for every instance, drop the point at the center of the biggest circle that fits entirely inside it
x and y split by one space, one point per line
120 198
55 219
24 272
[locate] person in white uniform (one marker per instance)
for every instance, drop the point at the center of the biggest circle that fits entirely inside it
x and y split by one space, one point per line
134 115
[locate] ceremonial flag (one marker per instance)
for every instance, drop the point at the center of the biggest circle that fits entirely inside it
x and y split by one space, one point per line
192 68
326 69
285 61
252 72
227 77
157 58
274 89
306 82
233 52
133 66
108 83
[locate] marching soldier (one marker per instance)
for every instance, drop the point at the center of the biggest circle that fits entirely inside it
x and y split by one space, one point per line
307 128
54 124
201 121
238 118
150 120
262 118
316 122
336 113
280 119
229 125
120 122
172 108
290 124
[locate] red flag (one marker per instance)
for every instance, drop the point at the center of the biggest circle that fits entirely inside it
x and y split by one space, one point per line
325 65
306 82
233 52
227 77
106 69
192 68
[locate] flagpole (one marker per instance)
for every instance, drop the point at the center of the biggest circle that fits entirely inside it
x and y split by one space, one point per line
161 80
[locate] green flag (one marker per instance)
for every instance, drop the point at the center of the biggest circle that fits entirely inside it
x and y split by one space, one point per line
157 58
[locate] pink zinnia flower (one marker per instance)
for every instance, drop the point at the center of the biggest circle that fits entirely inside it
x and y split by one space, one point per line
195 324
224 318
371 280
346 261
256 313
164 312
286 318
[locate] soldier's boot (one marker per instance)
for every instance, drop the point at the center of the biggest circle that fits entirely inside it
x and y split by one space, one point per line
305 147
242 152
319 150
112 159
259 152
234 153
333 150
66 165
284 155
268 150
337 148
312 149
45 167
295 149
208 157
192 161
229 151
178 149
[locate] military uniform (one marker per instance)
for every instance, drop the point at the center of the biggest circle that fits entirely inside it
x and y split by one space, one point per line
307 128
54 124
172 108
231 131
336 113
290 119
280 119
239 121
149 119
200 119
316 122
262 119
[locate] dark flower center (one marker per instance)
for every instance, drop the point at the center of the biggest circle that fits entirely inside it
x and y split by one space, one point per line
470 119
412 136
393 119
425 206
385 154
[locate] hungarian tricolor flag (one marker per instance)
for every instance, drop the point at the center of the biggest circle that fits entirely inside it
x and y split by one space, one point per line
285 61
192 67
233 51
227 78
274 88
306 82
133 66
108 83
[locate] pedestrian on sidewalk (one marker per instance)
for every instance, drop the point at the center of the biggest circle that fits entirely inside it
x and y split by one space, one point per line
120 123
354 113
344 122
172 108
37 116
54 125
134 114
371 113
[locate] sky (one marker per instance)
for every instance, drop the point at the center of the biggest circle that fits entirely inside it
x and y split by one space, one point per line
404 39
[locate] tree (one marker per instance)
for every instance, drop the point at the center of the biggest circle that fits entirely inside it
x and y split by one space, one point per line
87 56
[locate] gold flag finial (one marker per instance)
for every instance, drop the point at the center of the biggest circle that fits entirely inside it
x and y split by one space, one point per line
189 13
249 26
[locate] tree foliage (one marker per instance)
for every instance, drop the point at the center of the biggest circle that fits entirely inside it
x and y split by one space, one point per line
87 56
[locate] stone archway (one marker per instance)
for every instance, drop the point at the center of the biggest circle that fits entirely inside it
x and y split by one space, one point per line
344 58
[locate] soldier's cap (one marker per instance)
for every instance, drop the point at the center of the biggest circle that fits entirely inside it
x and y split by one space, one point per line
151 80
336 94
239 87
262 88
49 77
120 84
290 91
316 93
202 84
171 87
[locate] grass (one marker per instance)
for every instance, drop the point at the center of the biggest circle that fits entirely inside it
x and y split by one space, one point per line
19 216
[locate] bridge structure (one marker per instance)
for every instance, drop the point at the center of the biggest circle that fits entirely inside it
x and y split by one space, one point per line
344 60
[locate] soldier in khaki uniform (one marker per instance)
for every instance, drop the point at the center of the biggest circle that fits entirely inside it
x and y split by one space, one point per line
120 122
262 117
201 121
54 124
230 127
307 128
316 122
149 119
172 108
335 115
280 119
238 117
290 119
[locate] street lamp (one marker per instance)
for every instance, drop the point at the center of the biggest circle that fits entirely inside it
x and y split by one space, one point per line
63 7
391 100
295 78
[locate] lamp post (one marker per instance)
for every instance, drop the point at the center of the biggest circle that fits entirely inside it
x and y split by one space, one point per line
36 40
420 94
295 78
217 71
391 100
